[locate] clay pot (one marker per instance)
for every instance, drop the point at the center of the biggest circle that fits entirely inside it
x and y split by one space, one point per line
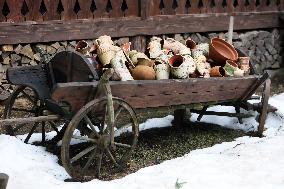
244 64
190 44
162 59
145 62
162 71
83 47
142 72
155 47
105 53
196 53
173 45
134 56
204 47
103 39
217 71
126 47
181 66
220 51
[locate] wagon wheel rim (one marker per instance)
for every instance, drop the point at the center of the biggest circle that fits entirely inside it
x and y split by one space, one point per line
264 107
98 151
32 107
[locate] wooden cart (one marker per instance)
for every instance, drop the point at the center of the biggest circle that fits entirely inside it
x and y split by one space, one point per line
100 115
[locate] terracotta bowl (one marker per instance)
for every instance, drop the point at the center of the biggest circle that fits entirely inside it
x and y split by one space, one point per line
220 51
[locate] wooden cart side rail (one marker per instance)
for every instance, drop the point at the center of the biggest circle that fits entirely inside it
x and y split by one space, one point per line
145 94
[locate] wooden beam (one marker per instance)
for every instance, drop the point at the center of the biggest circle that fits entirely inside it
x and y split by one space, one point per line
29 120
31 32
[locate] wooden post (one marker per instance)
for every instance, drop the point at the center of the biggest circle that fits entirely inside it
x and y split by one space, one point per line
3 180
139 43
179 115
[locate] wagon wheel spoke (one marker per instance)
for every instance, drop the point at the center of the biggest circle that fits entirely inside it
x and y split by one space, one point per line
99 163
117 112
90 160
84 139
31 132
112 158
123 145
91 125
82 153
53 126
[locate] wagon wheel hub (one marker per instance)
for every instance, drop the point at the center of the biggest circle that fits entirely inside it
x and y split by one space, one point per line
103 142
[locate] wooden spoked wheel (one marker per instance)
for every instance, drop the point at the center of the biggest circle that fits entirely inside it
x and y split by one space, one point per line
87 149
24 103
263 107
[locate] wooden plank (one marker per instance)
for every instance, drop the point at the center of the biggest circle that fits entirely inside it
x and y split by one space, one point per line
51 13
29 120
219 7
141 94
194 7
139 43
34 13
251 7
116 9
26 32
154 7
85 12
181 7
2 17
206 7
133 8
101 12
68 13
168 10
15 14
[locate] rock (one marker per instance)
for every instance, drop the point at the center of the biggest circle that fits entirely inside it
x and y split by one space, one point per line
37 57
7 48
18 49
212 35
276 65
15 58
73 43
33 63
237 44
186 36
178 37
25 60
56 45
70 48
41 48
62 48
122 41
194 38
263 34
64 43
27 51
7 60
275 57
50 50
259 43
3 69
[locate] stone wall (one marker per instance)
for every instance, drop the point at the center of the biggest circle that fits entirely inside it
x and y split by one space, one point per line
264 48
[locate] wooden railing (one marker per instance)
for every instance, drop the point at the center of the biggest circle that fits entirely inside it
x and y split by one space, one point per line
23 21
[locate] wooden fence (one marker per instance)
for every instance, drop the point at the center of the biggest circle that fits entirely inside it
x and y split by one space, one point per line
25 21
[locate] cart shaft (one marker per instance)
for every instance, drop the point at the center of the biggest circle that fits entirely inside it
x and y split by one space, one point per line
29 120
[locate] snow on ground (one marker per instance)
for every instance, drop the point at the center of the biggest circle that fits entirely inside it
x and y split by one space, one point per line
247 162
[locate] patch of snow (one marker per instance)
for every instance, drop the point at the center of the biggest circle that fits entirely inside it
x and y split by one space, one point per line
247 162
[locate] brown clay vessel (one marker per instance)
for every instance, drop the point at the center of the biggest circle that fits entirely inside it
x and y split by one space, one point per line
142 72
220 51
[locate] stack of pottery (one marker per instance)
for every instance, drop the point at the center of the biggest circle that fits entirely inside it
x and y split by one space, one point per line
162 68
202 66
181 66
176 46
155 47
83 47
120 70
